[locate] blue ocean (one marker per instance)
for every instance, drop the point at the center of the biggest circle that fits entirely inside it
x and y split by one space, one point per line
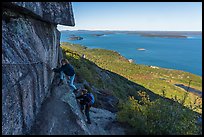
173 53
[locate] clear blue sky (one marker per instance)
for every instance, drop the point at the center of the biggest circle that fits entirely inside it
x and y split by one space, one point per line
180 16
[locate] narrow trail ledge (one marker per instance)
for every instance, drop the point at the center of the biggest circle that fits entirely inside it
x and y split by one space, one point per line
60 115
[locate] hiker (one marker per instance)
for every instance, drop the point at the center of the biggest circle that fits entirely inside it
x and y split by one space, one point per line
66 69
87 100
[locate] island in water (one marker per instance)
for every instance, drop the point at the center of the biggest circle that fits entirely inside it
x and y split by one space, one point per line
98 35
74 37
142 49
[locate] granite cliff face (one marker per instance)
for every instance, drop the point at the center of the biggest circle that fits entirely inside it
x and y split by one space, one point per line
52 12
30 48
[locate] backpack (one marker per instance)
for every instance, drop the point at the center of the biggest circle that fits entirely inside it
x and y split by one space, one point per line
90 98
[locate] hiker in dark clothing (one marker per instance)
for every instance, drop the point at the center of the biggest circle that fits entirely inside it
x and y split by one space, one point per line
66 69
87 100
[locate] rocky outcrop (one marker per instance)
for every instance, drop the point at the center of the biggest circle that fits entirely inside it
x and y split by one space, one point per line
106 100
30 48
60 115
52 12
104 123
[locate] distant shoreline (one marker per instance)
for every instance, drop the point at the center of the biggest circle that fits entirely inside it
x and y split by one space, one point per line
164 36
135 30
140 32
147 52
161 34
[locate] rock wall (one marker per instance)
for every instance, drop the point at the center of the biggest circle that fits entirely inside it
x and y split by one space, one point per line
52 12
30 48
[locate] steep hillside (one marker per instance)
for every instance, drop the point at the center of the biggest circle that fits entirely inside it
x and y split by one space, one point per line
137 105
106 85
158 80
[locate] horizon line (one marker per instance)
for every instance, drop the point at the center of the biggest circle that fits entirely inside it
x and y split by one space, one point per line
129 30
